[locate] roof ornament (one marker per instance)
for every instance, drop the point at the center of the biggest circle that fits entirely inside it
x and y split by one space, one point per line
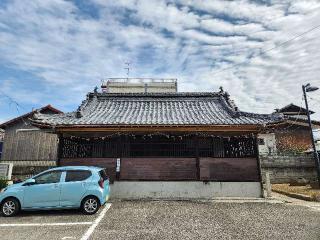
236 112
221 90
79 113
95 90
226 96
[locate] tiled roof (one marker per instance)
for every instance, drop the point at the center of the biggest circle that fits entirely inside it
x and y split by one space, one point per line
300 118
105 109
47 108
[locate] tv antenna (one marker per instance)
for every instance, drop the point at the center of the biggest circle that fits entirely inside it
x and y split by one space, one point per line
128 69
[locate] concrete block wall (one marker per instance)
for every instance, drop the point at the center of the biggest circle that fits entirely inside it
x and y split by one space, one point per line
26 169
288 168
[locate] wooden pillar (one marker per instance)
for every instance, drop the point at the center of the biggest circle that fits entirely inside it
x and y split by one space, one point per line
197 157
60 149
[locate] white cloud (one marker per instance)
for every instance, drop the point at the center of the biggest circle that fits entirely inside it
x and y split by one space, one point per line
192 40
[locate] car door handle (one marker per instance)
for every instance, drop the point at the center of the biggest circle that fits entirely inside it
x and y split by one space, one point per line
55 185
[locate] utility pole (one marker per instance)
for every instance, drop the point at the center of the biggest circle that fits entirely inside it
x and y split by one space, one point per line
307 88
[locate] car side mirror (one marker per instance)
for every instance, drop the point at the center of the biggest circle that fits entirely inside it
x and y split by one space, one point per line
29 182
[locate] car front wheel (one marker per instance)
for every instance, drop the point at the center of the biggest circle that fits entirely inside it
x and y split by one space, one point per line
90 205
10 207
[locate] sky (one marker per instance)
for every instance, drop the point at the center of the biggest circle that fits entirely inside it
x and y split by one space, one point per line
55 52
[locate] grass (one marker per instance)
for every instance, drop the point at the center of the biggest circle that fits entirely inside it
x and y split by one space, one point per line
307 190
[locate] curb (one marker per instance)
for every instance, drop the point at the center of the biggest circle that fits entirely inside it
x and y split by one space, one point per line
294 195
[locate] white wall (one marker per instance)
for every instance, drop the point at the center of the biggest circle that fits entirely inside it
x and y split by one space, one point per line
141 87
269 146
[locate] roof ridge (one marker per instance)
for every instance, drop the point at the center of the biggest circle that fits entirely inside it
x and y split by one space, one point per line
155 94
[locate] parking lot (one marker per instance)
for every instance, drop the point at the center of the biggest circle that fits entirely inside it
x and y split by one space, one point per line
169 220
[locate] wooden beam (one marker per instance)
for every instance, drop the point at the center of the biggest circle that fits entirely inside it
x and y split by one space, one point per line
213 128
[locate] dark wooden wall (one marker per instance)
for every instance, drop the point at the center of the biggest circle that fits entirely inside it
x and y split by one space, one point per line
166 158
108 163
28 145
229 169
158 169
175 169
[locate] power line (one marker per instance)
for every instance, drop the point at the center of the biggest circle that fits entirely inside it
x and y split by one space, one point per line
227 68
268 50
17 105
313 99
270 30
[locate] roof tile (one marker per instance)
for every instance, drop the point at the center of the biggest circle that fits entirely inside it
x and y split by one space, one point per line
155 109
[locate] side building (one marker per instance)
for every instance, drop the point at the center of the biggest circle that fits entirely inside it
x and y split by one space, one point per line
28 148
290 135
285 147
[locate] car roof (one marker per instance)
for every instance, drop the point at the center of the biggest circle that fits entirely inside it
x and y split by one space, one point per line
92 168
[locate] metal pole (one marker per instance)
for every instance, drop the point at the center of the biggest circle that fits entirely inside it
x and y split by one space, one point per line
316 156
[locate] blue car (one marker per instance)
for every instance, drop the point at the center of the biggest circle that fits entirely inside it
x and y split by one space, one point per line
81 187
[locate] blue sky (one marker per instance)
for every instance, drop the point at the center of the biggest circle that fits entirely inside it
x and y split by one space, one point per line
54 52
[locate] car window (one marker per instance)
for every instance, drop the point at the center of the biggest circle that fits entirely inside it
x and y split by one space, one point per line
77 175
50 177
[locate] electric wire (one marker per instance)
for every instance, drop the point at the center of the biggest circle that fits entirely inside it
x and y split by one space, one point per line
268 50
17 105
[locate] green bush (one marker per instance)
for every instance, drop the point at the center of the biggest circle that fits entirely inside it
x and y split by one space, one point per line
3 183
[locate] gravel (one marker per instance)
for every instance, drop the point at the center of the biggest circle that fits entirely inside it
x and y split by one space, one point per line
199 220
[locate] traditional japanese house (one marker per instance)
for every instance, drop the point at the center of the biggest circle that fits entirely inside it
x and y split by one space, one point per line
291 134
27 147
163 144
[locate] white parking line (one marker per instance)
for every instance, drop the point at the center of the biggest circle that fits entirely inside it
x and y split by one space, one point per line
43 224
96 222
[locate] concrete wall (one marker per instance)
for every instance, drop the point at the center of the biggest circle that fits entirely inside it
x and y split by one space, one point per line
288 168
184 190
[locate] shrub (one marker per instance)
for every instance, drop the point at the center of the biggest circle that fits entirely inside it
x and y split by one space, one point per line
3 183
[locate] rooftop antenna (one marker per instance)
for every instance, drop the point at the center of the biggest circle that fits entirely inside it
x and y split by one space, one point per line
128 69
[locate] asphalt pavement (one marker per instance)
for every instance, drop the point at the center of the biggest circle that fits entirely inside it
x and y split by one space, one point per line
170 220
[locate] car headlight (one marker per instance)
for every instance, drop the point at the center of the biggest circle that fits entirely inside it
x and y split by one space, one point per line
3 190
